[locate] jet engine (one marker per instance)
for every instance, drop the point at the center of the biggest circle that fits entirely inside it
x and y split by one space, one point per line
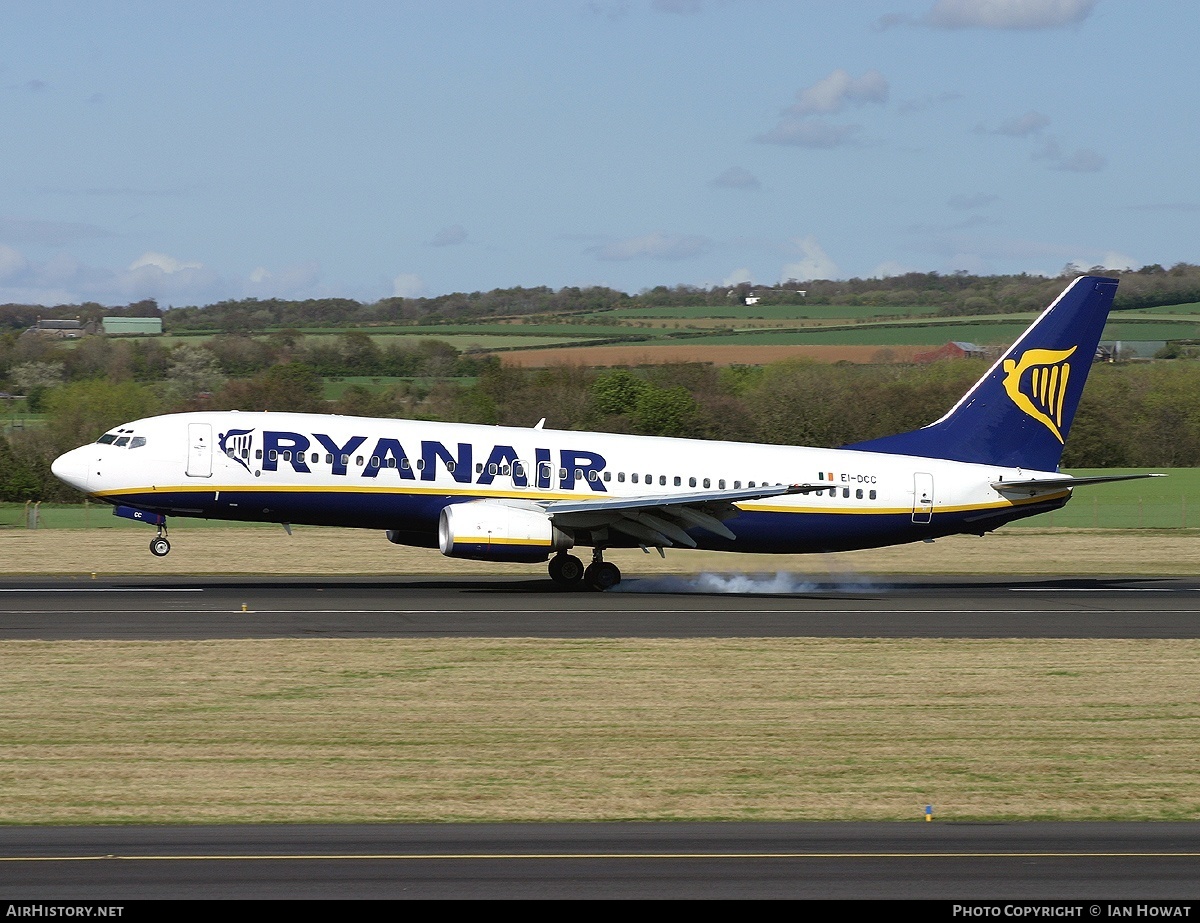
487 530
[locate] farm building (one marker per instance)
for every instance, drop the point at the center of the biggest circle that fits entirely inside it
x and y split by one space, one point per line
955 349
64 329
133 326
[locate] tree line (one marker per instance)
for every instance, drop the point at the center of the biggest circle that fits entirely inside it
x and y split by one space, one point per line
952 294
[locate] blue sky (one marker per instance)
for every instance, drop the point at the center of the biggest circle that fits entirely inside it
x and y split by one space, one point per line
192 152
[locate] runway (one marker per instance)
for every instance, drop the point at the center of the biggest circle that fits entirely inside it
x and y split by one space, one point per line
1096 864
1092 865
664 607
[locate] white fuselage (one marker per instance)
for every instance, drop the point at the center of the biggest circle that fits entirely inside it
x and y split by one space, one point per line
399 475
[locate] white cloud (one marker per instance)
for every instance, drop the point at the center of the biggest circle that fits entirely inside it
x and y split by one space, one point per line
1083 160
828 95
449 236
809 134
408 285
163 263
1111 259
736 178
12 263
813 264
654 246
1022 125
889 268
1007 14
738 276
839 89
299 281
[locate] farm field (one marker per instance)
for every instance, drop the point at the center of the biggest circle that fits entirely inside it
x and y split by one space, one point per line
755 334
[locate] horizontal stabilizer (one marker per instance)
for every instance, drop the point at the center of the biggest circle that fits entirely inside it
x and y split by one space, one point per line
1058 483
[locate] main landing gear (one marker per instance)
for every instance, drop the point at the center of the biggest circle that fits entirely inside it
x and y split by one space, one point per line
159 546
568 571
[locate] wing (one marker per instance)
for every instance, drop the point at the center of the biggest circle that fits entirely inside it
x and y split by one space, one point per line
663 519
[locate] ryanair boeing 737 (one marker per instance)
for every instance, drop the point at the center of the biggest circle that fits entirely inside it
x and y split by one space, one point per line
529 495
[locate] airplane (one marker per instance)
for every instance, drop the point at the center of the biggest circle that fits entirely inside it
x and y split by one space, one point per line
531 495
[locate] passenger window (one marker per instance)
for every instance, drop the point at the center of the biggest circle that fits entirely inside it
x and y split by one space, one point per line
391 462
493 469
608 475
358 460
316 457
737 485
504 469
287 455
518 469
872 495
678 481
374 461
858 494
635 477
846 493
345 460
750 484
274 456
662 480
707 484
621 477
479 467
721 484
328 458
562 474
420 464
579 474
404 463
258 454
593 476
449 466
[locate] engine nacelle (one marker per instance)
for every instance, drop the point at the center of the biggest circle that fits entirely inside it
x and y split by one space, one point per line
489 531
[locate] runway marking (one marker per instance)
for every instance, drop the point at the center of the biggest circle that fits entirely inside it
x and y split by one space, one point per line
591 612
1086 589
403 857
97 589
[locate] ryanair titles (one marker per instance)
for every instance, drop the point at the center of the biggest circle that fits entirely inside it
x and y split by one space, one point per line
387 457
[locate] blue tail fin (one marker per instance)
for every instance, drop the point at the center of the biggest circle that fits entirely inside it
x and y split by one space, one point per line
1019 413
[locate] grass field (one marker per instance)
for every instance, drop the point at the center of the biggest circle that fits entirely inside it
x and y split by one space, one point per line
470 729
756 326
586 730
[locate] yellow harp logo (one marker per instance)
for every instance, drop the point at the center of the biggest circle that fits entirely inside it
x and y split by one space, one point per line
1041 392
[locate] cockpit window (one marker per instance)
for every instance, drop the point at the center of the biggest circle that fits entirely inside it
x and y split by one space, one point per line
137 442
124 440
106 439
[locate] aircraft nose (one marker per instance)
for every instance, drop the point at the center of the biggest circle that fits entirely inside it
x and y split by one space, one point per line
72 467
